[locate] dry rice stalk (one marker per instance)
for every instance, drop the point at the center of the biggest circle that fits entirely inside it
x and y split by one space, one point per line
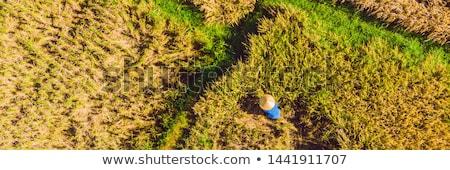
225 11
427 17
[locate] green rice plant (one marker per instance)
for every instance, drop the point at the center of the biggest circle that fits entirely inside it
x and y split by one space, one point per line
333 94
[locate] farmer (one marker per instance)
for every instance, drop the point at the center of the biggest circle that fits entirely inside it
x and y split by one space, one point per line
269 106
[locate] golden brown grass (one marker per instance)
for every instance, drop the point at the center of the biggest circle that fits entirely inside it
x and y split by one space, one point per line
225 11
434 2
333 95
427 17
85 75
54 93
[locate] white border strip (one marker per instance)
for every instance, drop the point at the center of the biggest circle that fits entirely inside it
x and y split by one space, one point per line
80 160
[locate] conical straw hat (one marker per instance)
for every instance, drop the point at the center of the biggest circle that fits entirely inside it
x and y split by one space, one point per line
267 102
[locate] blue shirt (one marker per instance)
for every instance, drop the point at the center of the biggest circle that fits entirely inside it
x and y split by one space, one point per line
273 113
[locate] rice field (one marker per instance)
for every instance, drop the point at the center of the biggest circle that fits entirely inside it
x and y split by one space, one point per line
188 74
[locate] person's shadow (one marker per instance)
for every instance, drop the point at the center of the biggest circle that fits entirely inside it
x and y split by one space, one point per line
250 105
